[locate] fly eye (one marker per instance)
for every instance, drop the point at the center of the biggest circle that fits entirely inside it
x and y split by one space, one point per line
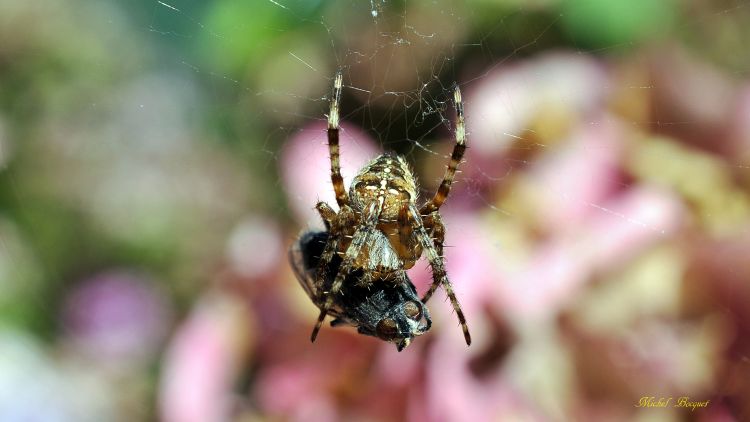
413 311
386 329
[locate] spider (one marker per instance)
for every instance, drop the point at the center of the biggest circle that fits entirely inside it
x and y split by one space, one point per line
374 310
379 229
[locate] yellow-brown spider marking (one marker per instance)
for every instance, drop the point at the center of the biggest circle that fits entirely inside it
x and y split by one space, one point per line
379 230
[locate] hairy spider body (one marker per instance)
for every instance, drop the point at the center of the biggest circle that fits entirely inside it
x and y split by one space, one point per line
372 309
387 182
379 230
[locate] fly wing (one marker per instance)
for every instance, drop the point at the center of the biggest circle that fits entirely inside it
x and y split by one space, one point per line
304 257
305 276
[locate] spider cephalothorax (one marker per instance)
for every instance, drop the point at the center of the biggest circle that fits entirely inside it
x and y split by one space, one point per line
379 230
389 311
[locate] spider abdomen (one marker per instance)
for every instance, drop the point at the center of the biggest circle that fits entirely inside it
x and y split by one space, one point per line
386 178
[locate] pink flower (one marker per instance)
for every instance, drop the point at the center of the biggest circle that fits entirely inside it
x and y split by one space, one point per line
203 360
502 108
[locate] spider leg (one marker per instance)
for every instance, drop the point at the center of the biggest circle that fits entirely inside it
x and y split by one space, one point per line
439 275
333 143
337 225
458 152
352 252
434 224
326 213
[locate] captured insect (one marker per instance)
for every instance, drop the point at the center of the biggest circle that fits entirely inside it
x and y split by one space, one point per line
388 311
379 232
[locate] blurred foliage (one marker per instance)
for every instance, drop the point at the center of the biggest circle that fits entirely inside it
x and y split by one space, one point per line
602 24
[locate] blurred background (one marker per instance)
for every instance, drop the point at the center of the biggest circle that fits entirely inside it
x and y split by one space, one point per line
157 159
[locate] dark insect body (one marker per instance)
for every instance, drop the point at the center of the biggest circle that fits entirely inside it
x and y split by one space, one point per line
389 311
379 232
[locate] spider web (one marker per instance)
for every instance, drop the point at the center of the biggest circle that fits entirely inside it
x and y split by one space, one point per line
248 78
400 62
